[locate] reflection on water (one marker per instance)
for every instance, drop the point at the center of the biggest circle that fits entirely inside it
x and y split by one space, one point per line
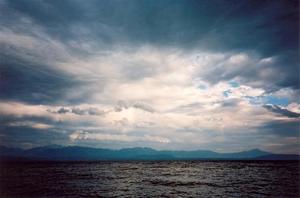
144 179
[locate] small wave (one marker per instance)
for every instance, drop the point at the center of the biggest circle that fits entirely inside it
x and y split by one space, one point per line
184 183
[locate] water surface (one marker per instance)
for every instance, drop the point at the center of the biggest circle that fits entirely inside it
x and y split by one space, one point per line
150 179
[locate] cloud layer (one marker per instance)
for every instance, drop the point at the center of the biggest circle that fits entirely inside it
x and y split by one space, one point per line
213 75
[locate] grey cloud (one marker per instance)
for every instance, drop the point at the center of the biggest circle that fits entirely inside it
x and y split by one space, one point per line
63 110
281 128
123 122
118 109
254 72
6 120
217 25
20 131
144 107
230 103
84 28
31 82
279 110
89 111
139 69
190 109
284 146
95 111
18 136
79 111
138 105
121 105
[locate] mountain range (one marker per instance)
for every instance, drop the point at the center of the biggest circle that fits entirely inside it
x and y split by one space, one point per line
78 153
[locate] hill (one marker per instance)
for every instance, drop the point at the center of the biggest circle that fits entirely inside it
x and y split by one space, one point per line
56 152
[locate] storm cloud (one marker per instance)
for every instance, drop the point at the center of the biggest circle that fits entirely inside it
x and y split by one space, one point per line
279 110
220 75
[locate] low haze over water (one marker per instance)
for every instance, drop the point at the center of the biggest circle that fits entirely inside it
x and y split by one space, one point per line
151 178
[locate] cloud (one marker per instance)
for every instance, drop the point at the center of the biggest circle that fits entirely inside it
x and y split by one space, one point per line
197 79
283 145
79 135
138 105
248 69
214 24
89 111
61 35
31 125
294 107
93 111
21 109
63 110
78 111
281 128
282 111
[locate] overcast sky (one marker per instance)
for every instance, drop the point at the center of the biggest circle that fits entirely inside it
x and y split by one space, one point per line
171 74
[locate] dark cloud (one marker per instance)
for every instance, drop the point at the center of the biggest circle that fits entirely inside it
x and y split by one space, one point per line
63 110
33 83
22 136
270 28
16 131
253 71
95 111
282 111
88 111
79 111
212 24
6 120
281 128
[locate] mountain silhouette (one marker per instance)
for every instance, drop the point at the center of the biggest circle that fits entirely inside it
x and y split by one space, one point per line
57 152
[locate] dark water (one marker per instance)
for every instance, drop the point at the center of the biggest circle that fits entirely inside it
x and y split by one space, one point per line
150 179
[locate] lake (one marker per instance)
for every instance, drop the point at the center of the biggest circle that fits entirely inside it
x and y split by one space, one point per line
151 179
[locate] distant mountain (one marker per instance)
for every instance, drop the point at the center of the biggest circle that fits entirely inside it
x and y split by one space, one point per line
57 152
6 151
254 153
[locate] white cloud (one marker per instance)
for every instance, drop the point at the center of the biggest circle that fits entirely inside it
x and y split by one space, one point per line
244 91
31 124
267 60
22 109
294 107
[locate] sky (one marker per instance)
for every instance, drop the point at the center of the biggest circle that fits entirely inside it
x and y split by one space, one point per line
178 75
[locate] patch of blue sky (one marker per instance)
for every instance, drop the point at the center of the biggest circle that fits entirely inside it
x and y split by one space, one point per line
227 93
233 83
268 99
